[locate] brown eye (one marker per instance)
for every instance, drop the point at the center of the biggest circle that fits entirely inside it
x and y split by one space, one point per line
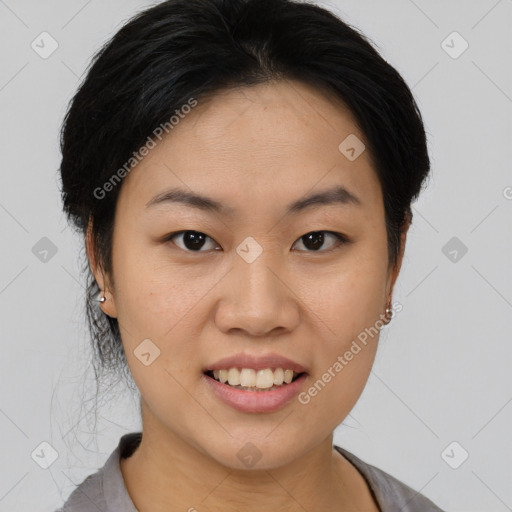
192 241
314 240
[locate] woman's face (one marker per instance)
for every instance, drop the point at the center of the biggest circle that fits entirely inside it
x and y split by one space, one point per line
244 279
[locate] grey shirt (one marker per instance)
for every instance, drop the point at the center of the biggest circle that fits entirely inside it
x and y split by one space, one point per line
105 490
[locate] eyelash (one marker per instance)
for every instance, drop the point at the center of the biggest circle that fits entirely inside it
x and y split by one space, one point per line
340 239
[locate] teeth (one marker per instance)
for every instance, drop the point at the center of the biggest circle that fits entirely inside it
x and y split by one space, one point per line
288 376
264 378
250 378
247 378
233 377
278 376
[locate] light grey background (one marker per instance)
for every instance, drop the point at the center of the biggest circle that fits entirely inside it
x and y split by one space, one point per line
442 372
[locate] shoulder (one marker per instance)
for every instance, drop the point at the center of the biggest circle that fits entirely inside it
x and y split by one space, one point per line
88 496
104 490
390 493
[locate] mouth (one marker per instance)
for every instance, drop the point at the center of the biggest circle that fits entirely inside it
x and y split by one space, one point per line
249 379
248 390
255 383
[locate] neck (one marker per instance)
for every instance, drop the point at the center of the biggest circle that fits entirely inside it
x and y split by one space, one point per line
167 471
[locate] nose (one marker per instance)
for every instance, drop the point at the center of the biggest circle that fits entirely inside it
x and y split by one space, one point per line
257 299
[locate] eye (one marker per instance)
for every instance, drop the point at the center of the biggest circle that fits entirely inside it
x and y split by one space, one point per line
192 240
315 239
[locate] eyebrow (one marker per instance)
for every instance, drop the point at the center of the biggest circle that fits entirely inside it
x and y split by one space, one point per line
337 195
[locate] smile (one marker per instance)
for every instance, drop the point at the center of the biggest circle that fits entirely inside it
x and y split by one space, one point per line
254 380
254 399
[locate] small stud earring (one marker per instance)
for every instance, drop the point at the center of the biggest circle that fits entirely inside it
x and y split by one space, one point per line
389 313
102 298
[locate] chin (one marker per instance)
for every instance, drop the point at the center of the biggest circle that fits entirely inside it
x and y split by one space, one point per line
254 453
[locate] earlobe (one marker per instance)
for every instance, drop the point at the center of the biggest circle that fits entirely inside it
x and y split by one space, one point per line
105 298
107 304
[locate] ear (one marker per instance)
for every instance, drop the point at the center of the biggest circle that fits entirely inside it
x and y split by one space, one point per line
395 270
109 305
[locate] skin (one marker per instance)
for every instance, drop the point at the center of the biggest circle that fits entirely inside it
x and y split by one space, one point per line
255 149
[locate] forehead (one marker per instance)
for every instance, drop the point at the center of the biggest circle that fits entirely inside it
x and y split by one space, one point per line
265 143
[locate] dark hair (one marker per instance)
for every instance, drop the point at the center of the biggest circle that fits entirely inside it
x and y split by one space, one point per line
183 49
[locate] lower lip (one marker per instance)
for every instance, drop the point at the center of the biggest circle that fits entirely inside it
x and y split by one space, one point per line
256 401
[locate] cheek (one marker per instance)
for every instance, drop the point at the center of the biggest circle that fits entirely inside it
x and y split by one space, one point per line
347 309
165 303
344 358
153 295
332 393
349 296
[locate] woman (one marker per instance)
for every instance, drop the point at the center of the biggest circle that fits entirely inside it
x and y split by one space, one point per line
242 173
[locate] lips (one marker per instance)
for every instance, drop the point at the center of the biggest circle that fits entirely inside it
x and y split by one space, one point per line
260 401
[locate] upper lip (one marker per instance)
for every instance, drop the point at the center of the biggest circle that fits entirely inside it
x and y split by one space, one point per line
257 362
